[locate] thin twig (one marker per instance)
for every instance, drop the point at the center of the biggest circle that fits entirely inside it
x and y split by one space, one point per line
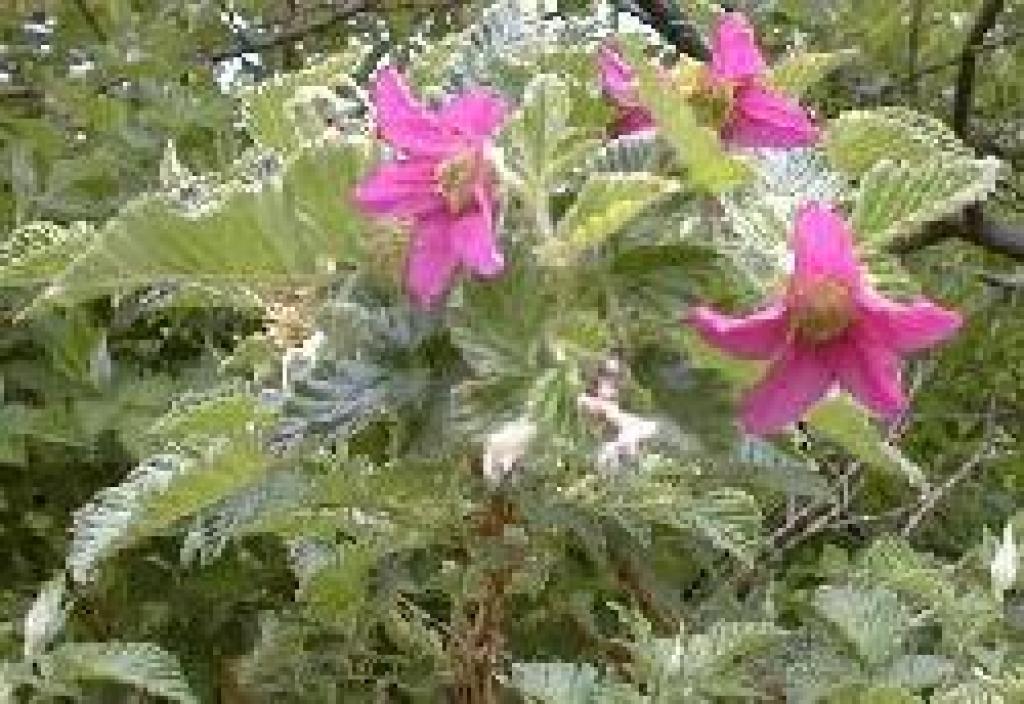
934 496
972 226
665 17
90 19
913 46
931 498
1007 39
337 16
963 97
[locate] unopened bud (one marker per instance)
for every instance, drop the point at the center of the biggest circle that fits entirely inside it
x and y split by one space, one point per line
505 447
1004 563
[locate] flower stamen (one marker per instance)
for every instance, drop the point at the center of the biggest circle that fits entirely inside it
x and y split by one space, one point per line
457 177
820 310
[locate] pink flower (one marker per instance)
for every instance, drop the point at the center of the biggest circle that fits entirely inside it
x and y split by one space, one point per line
831 327
442 183
731 93
619 84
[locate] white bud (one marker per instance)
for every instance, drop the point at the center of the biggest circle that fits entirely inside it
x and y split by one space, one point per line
675 657
631 430
505 447
1004 563
45 618
172 173
298 362
100 364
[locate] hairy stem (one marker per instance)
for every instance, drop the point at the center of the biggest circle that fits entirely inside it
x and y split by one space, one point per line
479 638
914 47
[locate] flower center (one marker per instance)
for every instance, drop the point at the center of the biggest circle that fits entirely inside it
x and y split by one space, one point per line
821 310
711 99
457 177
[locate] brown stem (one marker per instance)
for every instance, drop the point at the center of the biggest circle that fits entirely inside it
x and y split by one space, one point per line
1007 39
90 20
479 638
963 98
913 46
291 59
667 19
337 16
972 224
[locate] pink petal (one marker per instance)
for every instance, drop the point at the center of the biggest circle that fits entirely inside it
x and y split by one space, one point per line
404 122
474 240
823 246
871 373
476 114
761 117
617 77
431 260
400 188
908 327
756 336
735 55
793 383
632 121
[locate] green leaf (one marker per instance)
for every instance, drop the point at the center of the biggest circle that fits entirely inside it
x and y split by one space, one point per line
555 682
274 108
13 428
987 691
859 139
882 694
728 518
605 204
849 426
716 652
34 254
797 73
216 452
917 672
892 563
228 470
872 621
225 414
697 146
338 590
500 332
144 666
897 199
543 143
781 469
286 228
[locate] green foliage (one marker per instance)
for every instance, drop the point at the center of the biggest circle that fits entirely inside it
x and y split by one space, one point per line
798 73
142 666
871 622
556 682
896 199
604 205
709 167
282 233
285 483
857 140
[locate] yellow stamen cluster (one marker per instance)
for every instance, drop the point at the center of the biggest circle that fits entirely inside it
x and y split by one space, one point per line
711 100
457 176
821 311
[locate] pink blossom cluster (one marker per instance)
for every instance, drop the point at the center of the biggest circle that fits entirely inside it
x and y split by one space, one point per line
828 329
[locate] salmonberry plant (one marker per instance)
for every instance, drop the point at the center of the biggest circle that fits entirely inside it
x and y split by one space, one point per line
568 340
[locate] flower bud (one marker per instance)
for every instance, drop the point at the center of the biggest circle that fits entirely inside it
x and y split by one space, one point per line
1004 563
